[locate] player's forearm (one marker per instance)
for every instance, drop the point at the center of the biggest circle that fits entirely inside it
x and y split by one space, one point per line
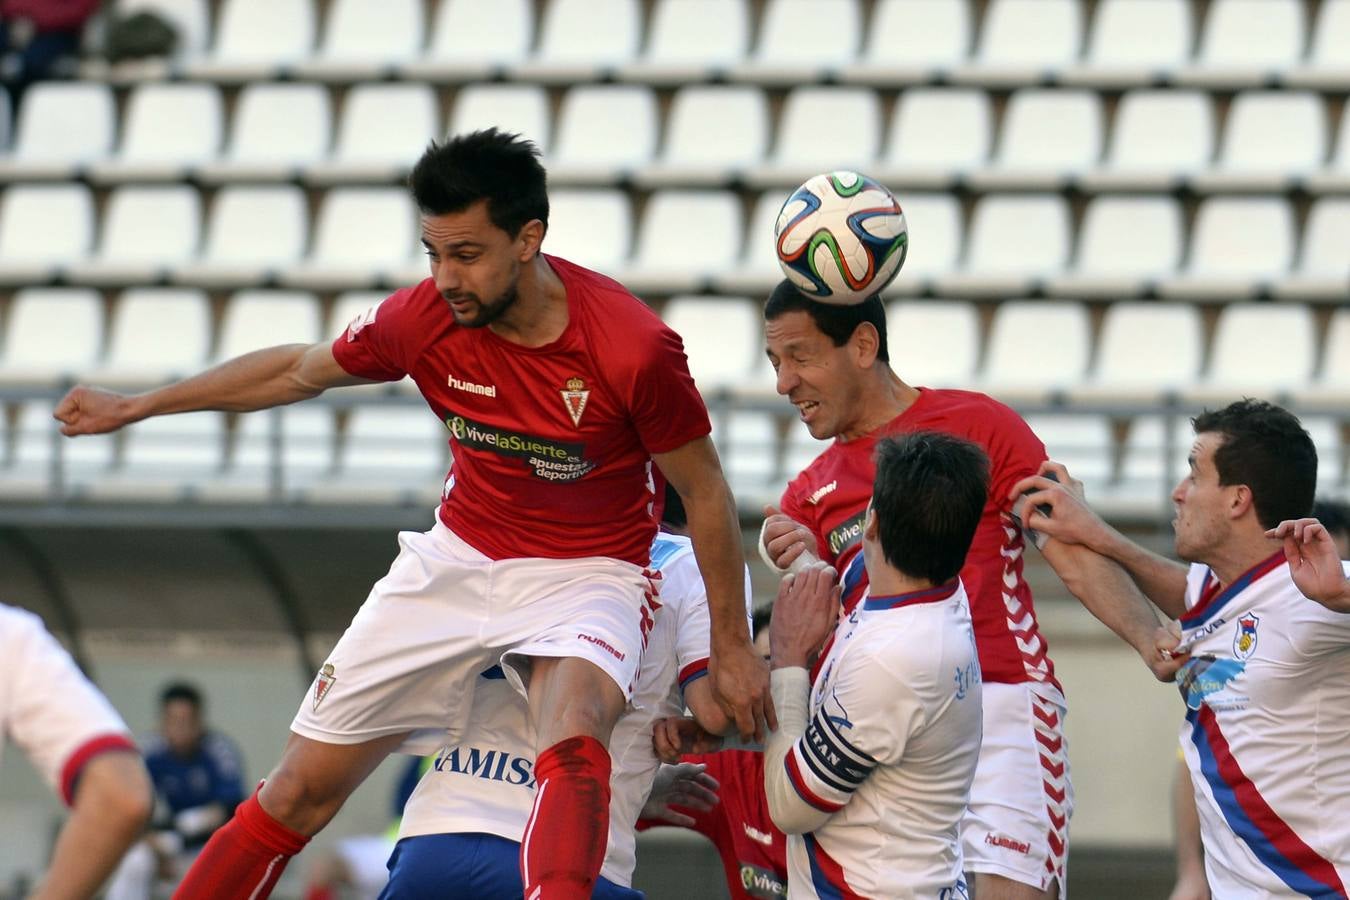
112 805
791 688
716 536
1162 580
257 380
1106 591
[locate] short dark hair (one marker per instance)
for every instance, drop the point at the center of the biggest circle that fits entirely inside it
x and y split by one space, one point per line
1265 448
673 512
759 620
181 690
497 166
928 495
1334 514
835 321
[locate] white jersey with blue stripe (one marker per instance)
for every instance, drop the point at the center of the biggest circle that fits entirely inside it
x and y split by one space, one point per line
486 782
1267 734
890 751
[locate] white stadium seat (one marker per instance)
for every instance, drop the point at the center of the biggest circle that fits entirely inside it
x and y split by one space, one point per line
1260 350
273 465
156 335
29 474
683 48
1238 245
912 41
1152 461
757 271
1125 244
1160 138
1331 387
390 454
748 443
471 40
592 228
1024 40
62 126
364 40
800 41
360 234
1048 137
1335 176
604 132
722 338
146 231
1133 44
1245 42
1016 240
164 459
934 343
518 108
255 319
51 335
685 238
935 240
43 227
278 130
252 232
1082 442
1272 138
936 136
1147 352
580 40
1328 62
257 39
713 133
1013 372
167 130
1323 270
384 128
804 148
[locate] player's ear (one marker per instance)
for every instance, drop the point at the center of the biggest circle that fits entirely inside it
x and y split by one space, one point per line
1241 501
870 523
529 239
865 343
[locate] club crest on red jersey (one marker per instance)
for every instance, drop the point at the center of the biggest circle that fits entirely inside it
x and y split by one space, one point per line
1244 642
574 398
324 683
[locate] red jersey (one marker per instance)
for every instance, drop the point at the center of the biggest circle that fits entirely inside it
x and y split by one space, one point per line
552 445
830 496
753 850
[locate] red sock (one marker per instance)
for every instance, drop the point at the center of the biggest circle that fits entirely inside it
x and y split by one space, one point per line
565 839
244 858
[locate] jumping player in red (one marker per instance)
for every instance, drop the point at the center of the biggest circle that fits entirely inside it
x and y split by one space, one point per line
560 390
832 363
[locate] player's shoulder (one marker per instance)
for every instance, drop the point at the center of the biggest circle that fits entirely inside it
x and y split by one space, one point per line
19 627
976 410
610 312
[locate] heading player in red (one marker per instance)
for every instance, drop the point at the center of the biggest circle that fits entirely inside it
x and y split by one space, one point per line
833 365
559 390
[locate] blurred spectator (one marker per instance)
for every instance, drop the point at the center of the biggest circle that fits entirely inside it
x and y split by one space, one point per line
198 777
40 39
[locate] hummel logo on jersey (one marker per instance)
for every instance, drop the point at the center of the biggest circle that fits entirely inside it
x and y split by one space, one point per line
822 491
361 321
482 390
756 835
575 397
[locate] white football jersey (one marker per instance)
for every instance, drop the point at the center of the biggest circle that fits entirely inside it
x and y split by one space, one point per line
890 750
486 782
1267 734
48 707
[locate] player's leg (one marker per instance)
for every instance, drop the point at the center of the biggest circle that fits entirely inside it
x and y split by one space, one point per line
574 705
1015 834
246 856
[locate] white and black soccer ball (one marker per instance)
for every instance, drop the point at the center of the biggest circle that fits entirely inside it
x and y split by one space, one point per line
841 237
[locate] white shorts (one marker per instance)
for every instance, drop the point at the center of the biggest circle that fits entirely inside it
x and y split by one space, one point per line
1021 800
444 613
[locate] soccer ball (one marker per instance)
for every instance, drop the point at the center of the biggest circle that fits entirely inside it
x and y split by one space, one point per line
841 237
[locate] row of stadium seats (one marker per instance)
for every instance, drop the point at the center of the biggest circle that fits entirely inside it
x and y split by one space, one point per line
1041 138
397 454
1221 43
1034 351
685 241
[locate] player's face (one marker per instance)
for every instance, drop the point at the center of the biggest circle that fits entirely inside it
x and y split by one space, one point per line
1201 502
181 724
815 375
475 264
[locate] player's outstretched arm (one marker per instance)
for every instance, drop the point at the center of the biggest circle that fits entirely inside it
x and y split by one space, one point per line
259 380
1314 563
1054 507
112 803
739 678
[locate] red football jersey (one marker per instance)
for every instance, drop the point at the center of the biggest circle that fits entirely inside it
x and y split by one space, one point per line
753 850
830 496
552 445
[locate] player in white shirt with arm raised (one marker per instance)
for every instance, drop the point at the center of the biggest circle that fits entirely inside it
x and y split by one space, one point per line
870 770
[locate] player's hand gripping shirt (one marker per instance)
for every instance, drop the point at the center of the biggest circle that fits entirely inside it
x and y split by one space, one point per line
486 783
551 444
1267 734
888 756
48 707
830 497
